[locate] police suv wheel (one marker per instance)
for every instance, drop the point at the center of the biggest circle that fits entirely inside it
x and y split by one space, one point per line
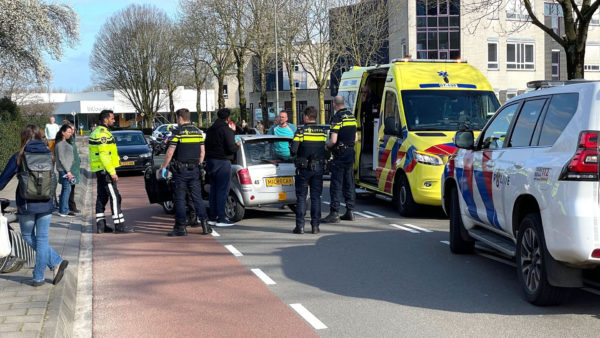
460 241
234 210
531 264
168 207
403 196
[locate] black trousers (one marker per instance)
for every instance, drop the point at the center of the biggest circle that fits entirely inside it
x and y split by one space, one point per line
342 183
72 205
306 178
107 190
187 181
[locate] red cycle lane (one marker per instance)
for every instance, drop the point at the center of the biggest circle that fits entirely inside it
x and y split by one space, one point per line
149 285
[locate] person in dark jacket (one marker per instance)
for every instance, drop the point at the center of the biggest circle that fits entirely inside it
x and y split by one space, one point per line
34 216
220 150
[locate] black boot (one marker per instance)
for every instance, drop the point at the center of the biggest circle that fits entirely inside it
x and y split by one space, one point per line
348 216
123 230
206 228
194 223
100 226
315 229
333 217
178 230
298 231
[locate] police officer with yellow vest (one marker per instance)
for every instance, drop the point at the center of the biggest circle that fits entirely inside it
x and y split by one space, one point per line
186 154
104 159
308 147
341 143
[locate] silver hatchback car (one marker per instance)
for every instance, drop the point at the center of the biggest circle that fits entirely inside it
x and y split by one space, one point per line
262 174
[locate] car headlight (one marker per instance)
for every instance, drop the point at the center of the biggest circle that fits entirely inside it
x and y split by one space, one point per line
427 158
146 155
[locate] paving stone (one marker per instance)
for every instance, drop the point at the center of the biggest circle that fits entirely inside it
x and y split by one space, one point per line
8 300
5 307
13 312
26 305
30 334
31 292
24 319
39 298
32 327
11 327
36 311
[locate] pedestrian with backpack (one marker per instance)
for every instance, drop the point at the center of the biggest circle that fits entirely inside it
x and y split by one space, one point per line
63 150
34 166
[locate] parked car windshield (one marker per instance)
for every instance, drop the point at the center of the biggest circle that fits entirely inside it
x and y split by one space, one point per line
129 139
267 151
448 109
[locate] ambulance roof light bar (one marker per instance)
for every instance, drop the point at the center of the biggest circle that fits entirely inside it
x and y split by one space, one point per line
428 60
541 84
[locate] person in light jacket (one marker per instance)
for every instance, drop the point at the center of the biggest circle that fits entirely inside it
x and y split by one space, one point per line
63 151
34 216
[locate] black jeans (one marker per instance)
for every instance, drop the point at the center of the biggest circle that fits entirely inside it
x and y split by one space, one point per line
187 180
342 183
107 189
314 179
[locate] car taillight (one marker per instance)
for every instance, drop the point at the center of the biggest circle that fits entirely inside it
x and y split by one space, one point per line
583 165
244 176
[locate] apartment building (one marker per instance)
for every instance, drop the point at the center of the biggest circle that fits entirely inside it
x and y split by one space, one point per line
509 51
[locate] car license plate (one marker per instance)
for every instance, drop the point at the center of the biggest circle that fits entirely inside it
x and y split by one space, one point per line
272 181
282 196
127 163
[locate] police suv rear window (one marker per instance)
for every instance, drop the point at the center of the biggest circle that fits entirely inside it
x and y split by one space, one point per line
561 110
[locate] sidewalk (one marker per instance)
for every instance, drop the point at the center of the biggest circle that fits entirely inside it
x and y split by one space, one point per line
50 311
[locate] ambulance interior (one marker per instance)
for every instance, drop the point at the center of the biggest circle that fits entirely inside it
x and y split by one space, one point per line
367 112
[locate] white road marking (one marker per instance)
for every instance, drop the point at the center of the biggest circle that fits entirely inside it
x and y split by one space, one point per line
263 276
233 250
416 227
363 215
214 233
374 214
309 317
445 242
405 229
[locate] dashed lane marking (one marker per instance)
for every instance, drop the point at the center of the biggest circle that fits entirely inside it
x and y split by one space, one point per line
445 242
308 316
233 250
363 215
214 233
405 229
263 276
374 214
417 227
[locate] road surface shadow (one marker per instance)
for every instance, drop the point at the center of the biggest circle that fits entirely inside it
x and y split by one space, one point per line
423 274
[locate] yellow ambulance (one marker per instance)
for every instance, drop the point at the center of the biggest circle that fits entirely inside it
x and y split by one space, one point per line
407 113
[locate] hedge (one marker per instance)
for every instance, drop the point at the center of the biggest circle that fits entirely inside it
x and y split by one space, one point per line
10 136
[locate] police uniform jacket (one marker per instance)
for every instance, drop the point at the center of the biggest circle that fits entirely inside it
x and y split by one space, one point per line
343 123
309 143
187 139
103 151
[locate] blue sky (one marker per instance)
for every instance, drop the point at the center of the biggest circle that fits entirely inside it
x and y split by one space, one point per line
72 73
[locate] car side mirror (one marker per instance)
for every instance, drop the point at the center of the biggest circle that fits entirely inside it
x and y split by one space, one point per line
464 139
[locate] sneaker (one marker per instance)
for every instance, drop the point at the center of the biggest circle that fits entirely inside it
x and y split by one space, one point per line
59 271
65 215
225 223
36 284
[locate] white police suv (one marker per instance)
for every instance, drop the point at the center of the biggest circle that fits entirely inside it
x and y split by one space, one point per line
528 187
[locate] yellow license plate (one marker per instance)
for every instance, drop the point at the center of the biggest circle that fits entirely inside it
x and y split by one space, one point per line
127 163
282 196
271 181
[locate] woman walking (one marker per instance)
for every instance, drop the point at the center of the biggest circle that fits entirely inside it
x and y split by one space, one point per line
34 216
63 150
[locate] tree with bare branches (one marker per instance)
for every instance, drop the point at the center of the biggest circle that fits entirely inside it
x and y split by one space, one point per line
576 17
129 56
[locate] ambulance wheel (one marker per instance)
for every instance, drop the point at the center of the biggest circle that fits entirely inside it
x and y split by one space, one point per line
168 207
458 233
234 210
531 264
403 196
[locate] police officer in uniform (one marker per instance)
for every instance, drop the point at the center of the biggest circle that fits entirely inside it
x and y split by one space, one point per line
308 147
186 153
341 143
104 160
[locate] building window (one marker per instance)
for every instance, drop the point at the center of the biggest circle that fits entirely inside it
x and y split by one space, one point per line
515 10
520 56
225 93
553 11
438 29
592 58
555 65
493 55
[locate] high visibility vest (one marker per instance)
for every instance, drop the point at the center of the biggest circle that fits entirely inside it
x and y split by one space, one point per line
103 151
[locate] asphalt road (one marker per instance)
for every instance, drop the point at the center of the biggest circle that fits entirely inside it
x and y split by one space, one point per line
379 276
